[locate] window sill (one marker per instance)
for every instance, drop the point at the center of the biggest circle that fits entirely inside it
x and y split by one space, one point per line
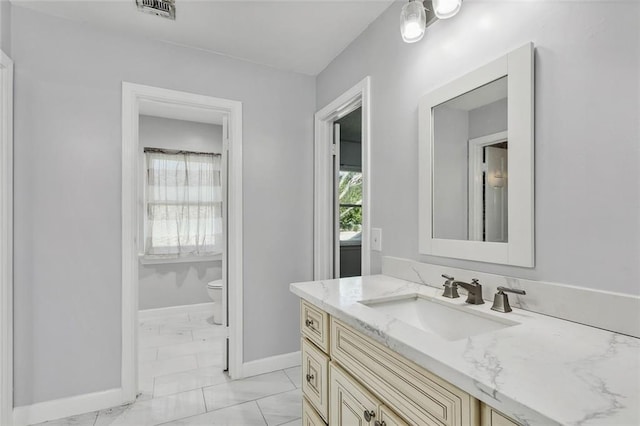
156 260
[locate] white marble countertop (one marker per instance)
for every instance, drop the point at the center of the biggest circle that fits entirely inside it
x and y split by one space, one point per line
541 371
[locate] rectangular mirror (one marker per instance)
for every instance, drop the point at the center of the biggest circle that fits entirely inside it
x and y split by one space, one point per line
476 164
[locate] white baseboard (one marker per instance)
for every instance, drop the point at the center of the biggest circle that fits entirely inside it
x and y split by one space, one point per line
272 363
145 314
65 407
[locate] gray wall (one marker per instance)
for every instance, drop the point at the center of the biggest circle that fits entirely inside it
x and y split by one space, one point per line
5 26
67 195
587 128
174 284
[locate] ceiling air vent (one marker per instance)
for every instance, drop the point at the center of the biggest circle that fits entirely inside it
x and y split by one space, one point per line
164 8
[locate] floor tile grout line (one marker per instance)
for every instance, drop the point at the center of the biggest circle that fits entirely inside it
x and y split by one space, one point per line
189 370
187 390
208 339
261 413
289 377
175 372
212 411
252 400
204 400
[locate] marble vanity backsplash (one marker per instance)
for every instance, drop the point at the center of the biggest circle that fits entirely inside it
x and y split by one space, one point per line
610 311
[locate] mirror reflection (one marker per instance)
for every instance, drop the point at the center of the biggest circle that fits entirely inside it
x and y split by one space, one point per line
470 169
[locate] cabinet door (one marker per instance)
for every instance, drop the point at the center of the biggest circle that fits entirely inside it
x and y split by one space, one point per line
491 417
309 415
315 374
389 418
351 404
315 325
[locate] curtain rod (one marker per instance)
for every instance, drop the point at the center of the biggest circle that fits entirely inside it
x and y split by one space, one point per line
177 151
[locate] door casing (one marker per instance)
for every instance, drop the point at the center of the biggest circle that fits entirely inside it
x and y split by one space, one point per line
323 203
132 96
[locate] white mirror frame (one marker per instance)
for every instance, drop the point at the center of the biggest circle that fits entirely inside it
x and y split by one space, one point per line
518 65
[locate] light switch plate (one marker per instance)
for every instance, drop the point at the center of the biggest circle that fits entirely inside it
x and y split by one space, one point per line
376 239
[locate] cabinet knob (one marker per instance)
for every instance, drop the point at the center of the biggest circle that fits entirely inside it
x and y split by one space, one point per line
310 377
308 323
368 415
380 423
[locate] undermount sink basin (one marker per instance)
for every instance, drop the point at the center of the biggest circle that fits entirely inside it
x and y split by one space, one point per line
448 322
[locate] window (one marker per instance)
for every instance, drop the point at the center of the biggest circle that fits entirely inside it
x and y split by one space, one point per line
183 204
350 198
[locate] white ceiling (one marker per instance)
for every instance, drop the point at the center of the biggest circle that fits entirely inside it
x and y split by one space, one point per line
298 35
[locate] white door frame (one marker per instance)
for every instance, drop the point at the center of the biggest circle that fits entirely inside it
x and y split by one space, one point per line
476 146
132 95
6 240
358 95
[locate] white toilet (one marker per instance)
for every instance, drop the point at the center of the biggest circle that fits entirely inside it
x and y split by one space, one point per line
214 288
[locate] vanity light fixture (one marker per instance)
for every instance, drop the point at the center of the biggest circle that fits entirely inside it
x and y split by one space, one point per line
413 21
417 15
446 8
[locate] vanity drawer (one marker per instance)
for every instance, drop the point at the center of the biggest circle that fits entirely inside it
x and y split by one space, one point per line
315 325
315 378
309 415
491 417
421 397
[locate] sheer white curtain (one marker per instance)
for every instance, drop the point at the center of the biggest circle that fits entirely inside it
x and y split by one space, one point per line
184 204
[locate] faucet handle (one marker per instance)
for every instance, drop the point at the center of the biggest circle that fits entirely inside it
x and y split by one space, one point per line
450 288
475 281
501 300
510 290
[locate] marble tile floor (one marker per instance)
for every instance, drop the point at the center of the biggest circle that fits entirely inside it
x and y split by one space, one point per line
181 382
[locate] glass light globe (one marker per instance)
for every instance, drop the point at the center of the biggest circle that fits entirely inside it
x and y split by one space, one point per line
444 9
413 21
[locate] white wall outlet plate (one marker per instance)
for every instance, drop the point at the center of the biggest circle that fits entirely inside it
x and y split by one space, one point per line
376 239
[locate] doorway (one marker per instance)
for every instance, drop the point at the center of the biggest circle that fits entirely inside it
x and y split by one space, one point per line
181 271
347 197
342 185
144 104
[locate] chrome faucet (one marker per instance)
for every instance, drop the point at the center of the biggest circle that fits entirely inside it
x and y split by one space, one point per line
474 291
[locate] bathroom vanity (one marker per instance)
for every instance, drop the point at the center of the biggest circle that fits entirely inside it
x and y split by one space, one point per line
381 351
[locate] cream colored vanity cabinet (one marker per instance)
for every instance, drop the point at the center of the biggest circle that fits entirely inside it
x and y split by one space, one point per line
352 404
349 379
491 417
309 416
315 378
418 396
